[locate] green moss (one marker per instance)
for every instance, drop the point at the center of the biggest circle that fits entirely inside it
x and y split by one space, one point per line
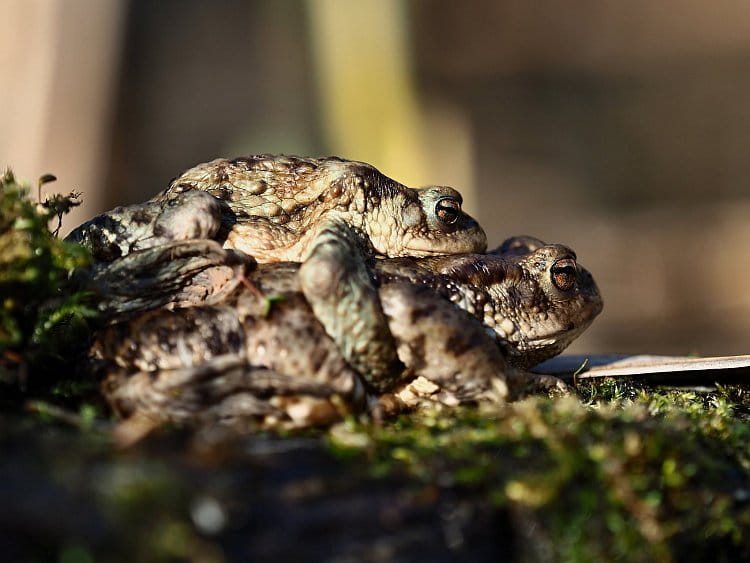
38 317
638 475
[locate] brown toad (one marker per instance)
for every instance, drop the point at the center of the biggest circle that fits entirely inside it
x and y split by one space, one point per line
242 360
322 211
274 207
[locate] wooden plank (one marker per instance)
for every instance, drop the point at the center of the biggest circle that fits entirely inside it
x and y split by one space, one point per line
649 369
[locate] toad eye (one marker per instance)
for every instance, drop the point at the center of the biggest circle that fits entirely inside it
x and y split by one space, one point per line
564 274
447 210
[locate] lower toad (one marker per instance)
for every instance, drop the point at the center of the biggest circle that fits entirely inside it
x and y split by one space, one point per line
466 327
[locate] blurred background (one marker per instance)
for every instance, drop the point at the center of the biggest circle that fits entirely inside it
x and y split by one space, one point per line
618 128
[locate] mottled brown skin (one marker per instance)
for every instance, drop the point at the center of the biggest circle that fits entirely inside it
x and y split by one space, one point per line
130 228
234 363
330 213
241 361
173 274
536 298
274 205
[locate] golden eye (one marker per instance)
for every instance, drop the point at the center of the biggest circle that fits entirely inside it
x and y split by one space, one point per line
564 274
447 210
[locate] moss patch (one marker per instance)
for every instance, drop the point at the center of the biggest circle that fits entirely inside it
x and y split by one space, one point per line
40 322
624 474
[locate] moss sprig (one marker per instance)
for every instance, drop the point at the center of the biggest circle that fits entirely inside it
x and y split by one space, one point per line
39 317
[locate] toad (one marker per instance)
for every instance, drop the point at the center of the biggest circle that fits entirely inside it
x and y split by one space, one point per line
466 328
332 214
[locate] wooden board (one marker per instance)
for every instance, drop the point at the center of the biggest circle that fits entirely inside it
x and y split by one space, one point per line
662 370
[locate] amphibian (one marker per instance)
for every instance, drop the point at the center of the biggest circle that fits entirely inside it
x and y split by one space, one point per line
273 206
330 213
248 360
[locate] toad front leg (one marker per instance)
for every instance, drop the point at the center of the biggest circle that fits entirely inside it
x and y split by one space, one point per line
336 281
117 233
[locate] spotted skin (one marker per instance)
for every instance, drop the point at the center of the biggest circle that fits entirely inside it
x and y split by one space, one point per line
333 214
243 360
